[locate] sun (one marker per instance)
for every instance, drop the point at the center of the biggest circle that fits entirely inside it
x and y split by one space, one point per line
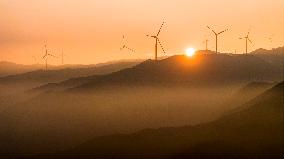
190 52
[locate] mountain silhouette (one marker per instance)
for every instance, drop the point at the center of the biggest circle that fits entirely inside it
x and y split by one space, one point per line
246 93
202 69
274 56
256 131
206 68
10 68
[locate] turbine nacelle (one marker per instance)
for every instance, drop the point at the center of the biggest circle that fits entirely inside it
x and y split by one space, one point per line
46 56
152 36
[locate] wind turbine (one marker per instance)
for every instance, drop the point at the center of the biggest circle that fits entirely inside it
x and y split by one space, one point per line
216 36
247 39
46 55
124 46
156 37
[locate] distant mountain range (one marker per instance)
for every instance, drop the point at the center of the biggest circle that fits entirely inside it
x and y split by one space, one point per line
9 68
255 132
29 80
42 76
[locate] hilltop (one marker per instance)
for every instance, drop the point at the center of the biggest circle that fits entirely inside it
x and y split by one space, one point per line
202 69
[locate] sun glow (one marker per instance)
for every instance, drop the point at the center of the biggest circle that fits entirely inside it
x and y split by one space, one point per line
190 52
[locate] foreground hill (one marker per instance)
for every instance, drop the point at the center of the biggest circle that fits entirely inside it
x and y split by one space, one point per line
256 131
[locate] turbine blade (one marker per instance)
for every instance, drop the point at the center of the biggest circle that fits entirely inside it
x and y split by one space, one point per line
44 56
161 45
52 55
123 47
211 30
124 39
249 40
223 31
129 49
160 29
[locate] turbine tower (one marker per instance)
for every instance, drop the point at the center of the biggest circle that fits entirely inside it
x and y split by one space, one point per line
156 37
124 46
247 39
206 44
62 57
46 55
216 36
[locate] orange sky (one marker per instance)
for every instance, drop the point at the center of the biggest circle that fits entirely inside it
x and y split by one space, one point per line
90 31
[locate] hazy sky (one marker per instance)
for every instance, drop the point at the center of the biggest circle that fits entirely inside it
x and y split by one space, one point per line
90 31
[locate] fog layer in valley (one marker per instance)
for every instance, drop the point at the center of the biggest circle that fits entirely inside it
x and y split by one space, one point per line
66 119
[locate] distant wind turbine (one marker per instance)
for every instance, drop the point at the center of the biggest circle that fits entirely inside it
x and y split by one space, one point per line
124 46
46 55
216 36
156 37
35 59
270 38
247 39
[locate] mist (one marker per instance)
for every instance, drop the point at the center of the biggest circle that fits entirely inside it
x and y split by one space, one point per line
65 119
